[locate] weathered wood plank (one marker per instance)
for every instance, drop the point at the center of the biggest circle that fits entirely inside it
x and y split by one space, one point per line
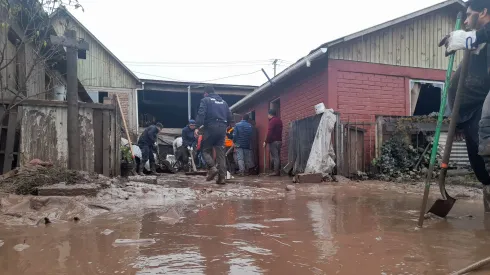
87 150
98 146
116 117
50 103
9 144
106 145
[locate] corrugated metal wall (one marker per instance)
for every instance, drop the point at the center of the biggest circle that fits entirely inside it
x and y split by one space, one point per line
100 69
412 44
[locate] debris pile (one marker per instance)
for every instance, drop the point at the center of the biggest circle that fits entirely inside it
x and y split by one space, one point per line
27 179
400 159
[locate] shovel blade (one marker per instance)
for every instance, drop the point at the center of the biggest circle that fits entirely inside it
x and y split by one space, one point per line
442 207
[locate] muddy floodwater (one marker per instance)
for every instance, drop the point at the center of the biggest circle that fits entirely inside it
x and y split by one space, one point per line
316 229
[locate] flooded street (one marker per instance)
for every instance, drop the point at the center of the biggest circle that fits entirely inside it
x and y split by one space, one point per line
317 229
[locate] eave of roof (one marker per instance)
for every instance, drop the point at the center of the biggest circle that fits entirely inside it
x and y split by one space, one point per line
391 23
193 84
72 17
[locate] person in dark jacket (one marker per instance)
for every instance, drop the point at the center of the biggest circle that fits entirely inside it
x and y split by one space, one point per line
474 113
188 137
146 142
242 138
188 140
274 140
213 116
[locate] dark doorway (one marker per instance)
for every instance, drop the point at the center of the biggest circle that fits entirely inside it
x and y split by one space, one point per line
170 108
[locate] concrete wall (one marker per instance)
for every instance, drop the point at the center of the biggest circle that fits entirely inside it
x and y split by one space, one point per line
44 135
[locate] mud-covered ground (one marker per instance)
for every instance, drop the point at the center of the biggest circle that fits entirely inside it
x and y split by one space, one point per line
250 226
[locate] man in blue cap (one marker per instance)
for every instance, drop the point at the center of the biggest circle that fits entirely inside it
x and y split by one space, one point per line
188 137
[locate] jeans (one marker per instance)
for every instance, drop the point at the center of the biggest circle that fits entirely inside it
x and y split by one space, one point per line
244 159
147 154
275 153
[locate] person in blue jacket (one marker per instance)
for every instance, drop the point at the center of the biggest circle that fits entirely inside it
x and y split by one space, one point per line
242 136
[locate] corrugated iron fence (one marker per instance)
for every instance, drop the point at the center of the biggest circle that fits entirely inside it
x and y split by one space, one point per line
43 135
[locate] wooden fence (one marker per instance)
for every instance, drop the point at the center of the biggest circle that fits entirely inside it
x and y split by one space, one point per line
43 135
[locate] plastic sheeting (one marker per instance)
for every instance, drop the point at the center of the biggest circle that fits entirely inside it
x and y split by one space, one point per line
321 159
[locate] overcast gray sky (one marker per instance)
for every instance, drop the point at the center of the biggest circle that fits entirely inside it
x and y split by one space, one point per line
200 40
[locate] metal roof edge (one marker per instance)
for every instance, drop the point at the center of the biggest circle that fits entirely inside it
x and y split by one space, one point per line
305 61
392 22
185 83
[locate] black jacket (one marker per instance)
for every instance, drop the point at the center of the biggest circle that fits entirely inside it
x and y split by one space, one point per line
213 109
188 138
149 136
477 85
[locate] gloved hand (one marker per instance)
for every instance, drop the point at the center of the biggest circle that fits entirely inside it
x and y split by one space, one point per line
458 40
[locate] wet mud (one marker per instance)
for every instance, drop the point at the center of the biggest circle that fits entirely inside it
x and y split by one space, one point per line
251 226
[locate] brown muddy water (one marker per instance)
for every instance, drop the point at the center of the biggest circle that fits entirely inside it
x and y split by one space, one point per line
314 230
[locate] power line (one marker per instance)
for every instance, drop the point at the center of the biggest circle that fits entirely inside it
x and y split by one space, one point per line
200 62
174 79
237 75
204 81
196 65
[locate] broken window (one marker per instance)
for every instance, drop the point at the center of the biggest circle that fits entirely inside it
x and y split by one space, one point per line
425 97
97 96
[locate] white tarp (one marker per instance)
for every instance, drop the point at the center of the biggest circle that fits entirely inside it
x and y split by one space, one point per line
321 159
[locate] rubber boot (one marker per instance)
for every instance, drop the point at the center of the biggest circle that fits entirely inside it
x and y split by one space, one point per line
153 169
212 172
275 174
139 169
220 181
486 198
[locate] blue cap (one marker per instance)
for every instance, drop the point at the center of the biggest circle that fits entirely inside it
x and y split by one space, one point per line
192 122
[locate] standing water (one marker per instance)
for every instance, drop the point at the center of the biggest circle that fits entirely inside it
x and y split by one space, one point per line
320 230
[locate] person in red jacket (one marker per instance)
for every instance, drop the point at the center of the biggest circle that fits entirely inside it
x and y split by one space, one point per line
274 140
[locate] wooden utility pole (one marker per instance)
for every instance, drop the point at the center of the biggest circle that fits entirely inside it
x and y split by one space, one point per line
73 46
275 66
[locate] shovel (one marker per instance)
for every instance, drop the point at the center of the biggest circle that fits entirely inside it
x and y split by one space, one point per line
443 204
194 171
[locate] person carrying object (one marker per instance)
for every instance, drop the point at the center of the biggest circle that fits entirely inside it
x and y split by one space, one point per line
213 116
146 142
242 138
474 113
274 140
